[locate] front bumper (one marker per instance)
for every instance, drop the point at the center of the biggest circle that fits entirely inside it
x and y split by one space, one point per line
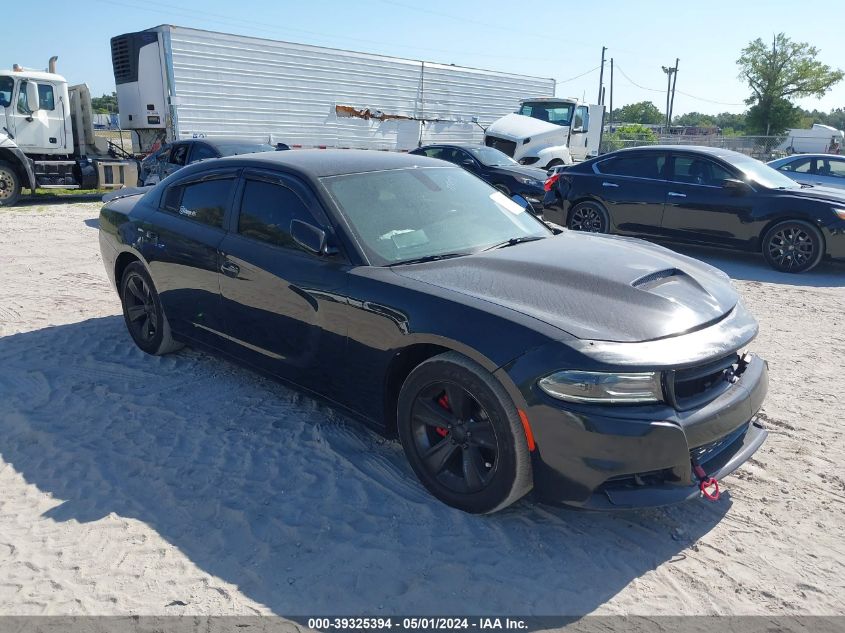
602 460
834 238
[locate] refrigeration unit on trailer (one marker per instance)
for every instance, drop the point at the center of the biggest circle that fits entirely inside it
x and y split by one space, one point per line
47 137
546 132
177 83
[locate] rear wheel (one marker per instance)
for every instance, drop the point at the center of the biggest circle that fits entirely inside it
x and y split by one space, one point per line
793 246
590 217
142 312
10 185
462 435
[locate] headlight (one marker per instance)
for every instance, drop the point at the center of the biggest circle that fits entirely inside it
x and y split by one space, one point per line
530 182
840 213
593 386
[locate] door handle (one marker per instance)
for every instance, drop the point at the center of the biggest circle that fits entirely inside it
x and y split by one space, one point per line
609 184
230 269
675 194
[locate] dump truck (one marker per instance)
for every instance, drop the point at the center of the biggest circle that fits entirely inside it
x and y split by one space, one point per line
47 138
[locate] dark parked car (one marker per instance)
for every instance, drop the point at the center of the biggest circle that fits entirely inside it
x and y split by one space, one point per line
600 371
701 195
495 167
163 162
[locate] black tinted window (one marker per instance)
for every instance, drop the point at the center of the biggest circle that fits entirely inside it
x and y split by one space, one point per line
699 171
267 210
638 165
6 85
433 152
178 154
201 201
202 152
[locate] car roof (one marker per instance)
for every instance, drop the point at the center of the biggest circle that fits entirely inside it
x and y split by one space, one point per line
318 163
718 152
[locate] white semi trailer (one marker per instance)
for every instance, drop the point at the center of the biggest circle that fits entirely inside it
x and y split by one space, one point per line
176 83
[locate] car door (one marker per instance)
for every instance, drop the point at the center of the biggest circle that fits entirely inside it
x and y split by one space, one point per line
40 129
632 187
699 208
283 303
180 241
578 136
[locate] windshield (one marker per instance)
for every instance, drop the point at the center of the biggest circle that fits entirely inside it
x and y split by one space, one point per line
406 214
233 149
763 174
557 112
6 85
491 157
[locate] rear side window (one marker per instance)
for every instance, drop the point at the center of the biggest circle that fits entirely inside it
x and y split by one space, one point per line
831 167
267 210
649 165
202 152
203 201
433 152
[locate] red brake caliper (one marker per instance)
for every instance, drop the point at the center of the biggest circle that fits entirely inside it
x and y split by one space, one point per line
443 401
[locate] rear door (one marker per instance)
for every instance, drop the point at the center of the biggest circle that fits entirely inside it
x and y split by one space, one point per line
632 187
699 208
181 242
283 304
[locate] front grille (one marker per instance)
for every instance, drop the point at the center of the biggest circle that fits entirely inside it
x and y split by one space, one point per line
695 386
501 144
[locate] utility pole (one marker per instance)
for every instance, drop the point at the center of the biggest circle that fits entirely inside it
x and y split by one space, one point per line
669 70
601 74
611 95
672 99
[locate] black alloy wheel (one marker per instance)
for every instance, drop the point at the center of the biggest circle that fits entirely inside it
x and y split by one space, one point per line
143 313
793 246
589 217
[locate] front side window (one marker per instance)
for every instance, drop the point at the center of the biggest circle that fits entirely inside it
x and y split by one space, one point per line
433 152
7 84
799 166
203 201
202 152
401 215
491 157
649 165
178 154
693 170
46 96
582 118
267 210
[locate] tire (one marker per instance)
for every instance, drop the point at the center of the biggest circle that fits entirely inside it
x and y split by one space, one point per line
10 185
474 456
143 314
793 246
590 217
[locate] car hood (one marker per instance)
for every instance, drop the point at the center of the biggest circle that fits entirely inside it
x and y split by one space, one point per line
518 126
818 192
594 287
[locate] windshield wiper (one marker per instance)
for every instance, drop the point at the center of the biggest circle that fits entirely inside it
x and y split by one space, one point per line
428 258
514 241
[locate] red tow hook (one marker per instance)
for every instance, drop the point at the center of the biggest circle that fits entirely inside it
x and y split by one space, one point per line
705 482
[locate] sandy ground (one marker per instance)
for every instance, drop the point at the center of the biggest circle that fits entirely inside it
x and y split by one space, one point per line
185 484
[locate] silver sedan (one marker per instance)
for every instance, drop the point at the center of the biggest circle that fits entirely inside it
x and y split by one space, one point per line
827 170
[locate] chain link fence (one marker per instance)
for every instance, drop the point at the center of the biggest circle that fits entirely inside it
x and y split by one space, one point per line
763 148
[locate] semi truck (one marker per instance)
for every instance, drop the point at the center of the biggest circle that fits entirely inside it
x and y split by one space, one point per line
547 132
177 83
47 138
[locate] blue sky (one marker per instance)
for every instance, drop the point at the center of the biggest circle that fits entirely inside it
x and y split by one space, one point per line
552 39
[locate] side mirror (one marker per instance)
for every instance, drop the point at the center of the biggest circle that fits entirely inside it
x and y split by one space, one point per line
33 102
736 186
468 163
308 237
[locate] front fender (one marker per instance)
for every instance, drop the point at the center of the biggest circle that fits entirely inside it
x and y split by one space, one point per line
9 145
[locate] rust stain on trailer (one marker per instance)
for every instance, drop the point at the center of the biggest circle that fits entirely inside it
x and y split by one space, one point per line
368 114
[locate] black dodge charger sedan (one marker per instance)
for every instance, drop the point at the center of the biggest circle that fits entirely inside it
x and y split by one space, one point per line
701 195
601 371
494 167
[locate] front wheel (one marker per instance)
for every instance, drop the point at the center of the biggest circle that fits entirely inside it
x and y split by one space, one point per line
793 246
143 314
590 217
10 185
463 436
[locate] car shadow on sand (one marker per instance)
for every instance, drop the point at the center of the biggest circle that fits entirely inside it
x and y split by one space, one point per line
304 510
752 267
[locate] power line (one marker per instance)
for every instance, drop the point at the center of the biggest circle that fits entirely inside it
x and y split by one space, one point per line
686 94
587 72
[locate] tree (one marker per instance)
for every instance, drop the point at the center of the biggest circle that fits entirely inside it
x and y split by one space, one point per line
788 70
105 104
694 119
644 112
781 115
628 136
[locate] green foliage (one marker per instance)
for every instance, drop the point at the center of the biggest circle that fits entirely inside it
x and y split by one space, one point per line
786 70
644 112
106 104
694 119
628 136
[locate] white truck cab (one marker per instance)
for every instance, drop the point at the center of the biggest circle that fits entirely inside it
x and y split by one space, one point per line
548 131
47 138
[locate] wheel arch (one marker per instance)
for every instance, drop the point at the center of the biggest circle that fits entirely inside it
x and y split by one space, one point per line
120 264
586 198
789 217
22 165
